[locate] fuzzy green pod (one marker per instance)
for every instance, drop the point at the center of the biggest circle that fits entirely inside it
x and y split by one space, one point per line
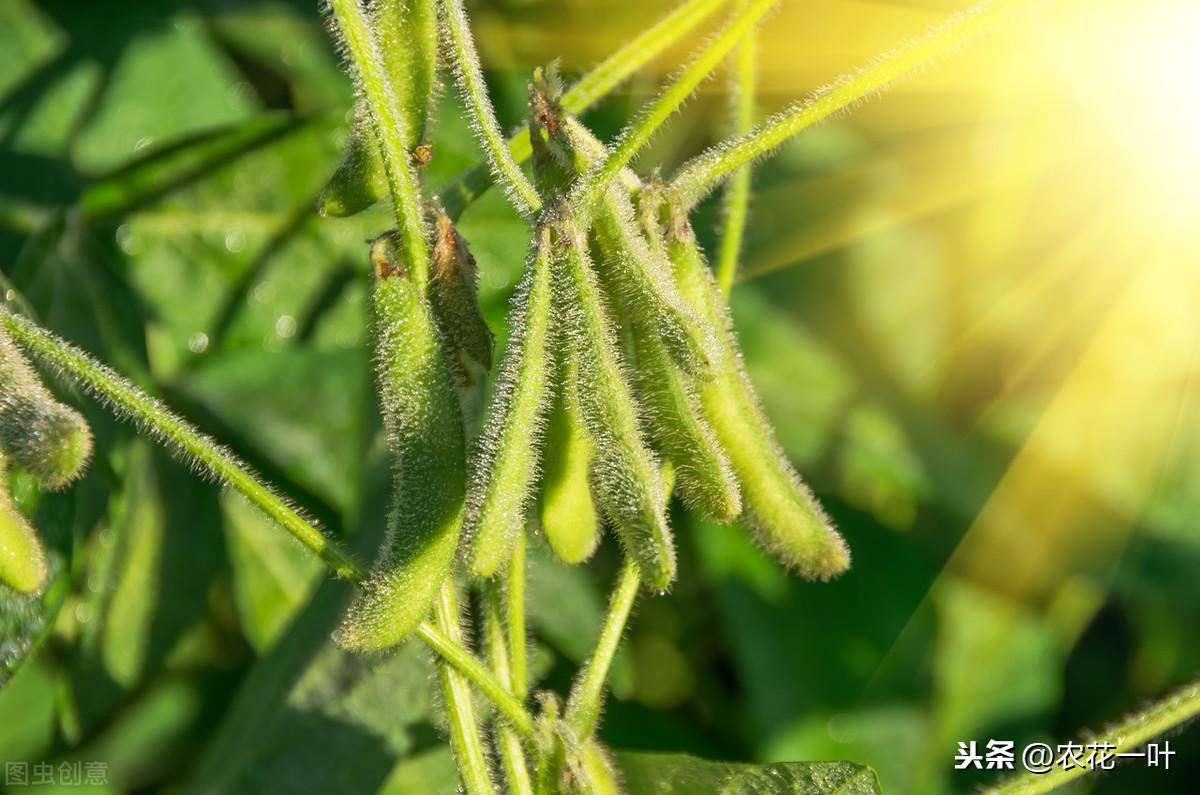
46 438
625 475
425 429
22 561
505 464
777 506
677 424
453 292
568 512
639 275
406 32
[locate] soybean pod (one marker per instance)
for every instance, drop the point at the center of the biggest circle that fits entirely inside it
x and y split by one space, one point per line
505 463
22 562
453 293
568 511
777 506
38 434
425 431
406 32
625 474
641 278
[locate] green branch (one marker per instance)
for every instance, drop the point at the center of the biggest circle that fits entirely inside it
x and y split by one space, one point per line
1173 711
583 706
637 133
512 754
152 416
743 89
465 738
371 78
474 92
699 176
606 76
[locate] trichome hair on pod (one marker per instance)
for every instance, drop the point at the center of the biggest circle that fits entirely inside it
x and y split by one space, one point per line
777 506
505 460
22 561
38 433
453 292
568 515
424 424
406 34
625 473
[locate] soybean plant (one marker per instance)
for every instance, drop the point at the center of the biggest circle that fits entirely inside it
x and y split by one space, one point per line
621 378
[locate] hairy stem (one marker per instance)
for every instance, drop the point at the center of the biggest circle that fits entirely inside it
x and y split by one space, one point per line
176 433
515 606
583 707
484 680
132 403
743 88
699 176
1176 709
512 754
371 77
483 117
465 738
606 76
637 133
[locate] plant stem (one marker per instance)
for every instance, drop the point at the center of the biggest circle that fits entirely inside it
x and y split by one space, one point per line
515 604
156 418
1176 709
388 124
743 88
512 754
484 680
465 738
637 133
696 178
474 91
132 403
606 75
583 706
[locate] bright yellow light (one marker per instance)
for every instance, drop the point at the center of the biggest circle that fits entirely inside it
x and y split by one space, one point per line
1136 67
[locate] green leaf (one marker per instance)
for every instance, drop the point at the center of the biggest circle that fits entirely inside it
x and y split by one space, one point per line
301 408
658 774
273 576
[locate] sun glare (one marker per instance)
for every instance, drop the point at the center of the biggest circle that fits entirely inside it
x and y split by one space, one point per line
1136 66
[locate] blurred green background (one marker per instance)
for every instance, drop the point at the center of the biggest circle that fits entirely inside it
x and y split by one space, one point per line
159 163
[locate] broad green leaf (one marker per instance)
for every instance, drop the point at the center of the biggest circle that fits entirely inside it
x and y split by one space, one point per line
27 719
661 774
273 577
148 579
303 409
167 80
